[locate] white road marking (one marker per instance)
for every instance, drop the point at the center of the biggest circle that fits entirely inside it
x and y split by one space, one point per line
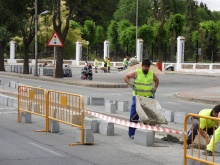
43 148
8 112
6 108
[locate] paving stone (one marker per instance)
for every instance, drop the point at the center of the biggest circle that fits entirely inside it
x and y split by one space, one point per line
88 136
25 117
144 137
54 126
123 106
106 128
169 115
97 101
110 108
92 124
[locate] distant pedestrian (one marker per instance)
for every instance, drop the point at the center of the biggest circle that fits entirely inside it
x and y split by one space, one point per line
109 64
96 64
105 61
125 62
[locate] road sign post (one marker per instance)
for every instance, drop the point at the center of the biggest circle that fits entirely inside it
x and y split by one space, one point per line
55 41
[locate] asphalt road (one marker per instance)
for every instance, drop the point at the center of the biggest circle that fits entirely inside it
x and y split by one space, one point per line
169 85
20 145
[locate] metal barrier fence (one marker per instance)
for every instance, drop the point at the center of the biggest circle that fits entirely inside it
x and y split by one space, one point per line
66 108
195 150
31 100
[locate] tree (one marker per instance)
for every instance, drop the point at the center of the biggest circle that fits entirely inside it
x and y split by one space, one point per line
62 27
123 26
8 27
146 32
89 31
101 12
112 35
126 9
175 26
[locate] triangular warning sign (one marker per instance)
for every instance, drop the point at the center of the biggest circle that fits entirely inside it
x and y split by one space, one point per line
55 40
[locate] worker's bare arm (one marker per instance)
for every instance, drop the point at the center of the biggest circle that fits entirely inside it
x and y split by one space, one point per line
128 76
156 83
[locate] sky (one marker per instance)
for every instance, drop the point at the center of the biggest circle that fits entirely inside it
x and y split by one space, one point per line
213 5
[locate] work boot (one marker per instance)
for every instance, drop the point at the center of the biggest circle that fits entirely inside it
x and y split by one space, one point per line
209 153
132 136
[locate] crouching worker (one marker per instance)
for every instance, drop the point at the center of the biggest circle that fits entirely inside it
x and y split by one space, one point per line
199 125
214 140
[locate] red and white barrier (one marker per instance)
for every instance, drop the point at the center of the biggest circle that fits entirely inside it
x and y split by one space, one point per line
131 124
8 92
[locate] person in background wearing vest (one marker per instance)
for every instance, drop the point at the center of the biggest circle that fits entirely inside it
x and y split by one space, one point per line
145 84
199 125
125 62
96 64
215 138
105 62
109 64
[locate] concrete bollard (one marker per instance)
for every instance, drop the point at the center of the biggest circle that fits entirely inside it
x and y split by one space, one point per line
169 115
110 108
92 124
144 137
106 128
25 117
5 100
88 100
88 136
113 102
97 101
54 126
77 119
179 117
123 106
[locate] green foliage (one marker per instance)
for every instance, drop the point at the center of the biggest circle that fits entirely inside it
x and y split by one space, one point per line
100 35
89 30
176 23
126 9
147 33
112 34
127 38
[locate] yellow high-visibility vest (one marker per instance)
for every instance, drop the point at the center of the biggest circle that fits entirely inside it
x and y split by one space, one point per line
143 83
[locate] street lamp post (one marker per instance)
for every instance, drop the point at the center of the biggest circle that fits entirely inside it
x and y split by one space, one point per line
36 23
35 50
87 43
136 24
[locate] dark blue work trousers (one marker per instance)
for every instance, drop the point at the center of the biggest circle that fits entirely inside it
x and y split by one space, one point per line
191 134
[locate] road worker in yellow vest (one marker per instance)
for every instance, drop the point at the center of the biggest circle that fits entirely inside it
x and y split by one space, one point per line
145 84
109 64
216 136
96 64
125 62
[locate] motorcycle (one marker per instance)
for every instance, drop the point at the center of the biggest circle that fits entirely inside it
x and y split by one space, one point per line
86 73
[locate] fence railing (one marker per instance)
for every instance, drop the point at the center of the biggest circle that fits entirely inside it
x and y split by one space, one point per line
194 153
58 106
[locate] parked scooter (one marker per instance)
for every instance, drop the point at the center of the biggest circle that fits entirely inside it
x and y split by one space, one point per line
86 73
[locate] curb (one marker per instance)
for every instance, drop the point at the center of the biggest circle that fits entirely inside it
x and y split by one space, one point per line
94 84
191 99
